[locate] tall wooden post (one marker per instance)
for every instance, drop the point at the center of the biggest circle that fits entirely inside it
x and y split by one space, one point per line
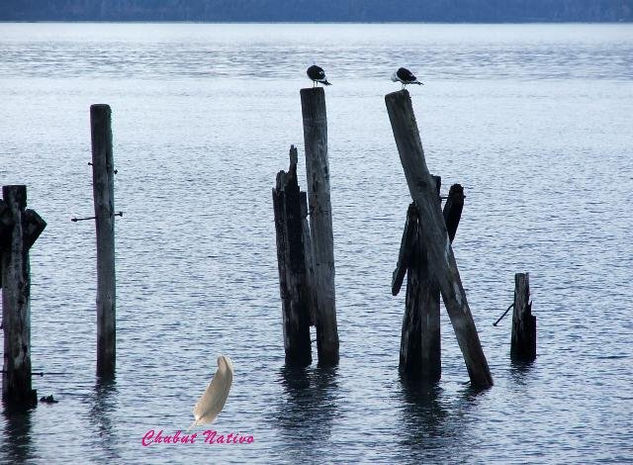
103 191
290 210
435 236
19 228
320 208
523 342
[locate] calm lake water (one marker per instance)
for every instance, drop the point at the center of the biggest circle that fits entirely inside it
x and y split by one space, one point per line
534 120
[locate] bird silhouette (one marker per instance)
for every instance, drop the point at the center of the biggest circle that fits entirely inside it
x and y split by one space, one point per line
405 76
317 75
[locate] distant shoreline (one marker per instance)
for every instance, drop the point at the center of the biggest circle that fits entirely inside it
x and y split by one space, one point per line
135 21
322 11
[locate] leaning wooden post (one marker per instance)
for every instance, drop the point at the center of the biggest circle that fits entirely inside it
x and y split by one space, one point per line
19 228
289 209
103 191
436 240
320 208
523 343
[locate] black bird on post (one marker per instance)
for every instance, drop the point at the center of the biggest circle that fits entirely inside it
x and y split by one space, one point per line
316 74
405 76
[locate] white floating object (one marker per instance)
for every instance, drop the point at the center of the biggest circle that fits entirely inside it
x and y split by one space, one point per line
212 401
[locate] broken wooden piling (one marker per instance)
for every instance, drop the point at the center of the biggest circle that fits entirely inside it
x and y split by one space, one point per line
19 229
320 212
103 192
289 204
420 343
453 209
420 346
435 237
523 341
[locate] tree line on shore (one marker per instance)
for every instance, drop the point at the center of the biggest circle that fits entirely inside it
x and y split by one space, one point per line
319 11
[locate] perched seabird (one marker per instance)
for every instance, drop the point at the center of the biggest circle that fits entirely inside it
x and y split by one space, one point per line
317 75
405 76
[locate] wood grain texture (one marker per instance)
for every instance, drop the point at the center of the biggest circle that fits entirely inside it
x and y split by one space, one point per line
436 241
320 209
289 205
17 389
103 193
420 343
523 340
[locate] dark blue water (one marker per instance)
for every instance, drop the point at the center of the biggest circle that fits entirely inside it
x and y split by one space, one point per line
534 120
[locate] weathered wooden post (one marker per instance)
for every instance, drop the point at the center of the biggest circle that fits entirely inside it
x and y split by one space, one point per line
19 229
103 191
523 342
289 205
309 261
320 208
453 209
435 236
420 346
420 343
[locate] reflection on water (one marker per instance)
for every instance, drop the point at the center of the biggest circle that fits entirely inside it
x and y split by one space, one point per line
433 420
103 404
16 443
308 406
520 371
423 416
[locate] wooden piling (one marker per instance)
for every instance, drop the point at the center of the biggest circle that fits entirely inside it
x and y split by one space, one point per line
453 209
289 205
19 228
320 209
523 342
420 343
420 346
103 191
435 236
309 261
6 228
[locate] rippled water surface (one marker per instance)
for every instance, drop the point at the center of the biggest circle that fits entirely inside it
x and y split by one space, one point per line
534 120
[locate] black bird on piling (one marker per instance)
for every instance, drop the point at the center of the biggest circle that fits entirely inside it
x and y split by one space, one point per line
405 76
316 74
